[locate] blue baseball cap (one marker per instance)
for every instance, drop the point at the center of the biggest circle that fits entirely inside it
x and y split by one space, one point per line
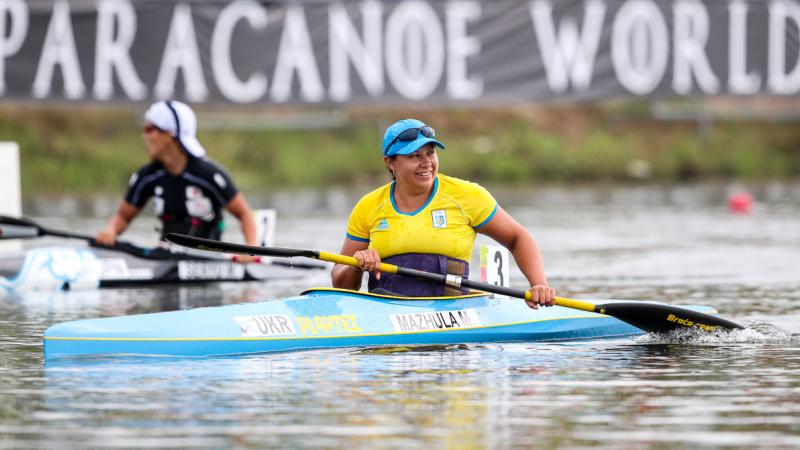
393 146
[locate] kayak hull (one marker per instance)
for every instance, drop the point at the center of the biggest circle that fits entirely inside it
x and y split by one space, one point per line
70 268
327 318
243 346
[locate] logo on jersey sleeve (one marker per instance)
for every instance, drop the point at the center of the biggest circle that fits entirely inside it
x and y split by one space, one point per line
383 225
220 180
439 218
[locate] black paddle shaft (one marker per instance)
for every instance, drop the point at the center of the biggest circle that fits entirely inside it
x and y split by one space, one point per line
229 247
23 228
457 281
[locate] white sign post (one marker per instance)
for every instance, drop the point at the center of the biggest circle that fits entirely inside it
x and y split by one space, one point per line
495 266
265 226
265 229
10 191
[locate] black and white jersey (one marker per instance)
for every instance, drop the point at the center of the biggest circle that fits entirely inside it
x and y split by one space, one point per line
190 203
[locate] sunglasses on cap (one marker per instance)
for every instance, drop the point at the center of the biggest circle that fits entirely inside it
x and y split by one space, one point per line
149 128
411 134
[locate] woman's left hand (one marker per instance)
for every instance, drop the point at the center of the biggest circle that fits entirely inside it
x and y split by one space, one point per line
541 295
246 259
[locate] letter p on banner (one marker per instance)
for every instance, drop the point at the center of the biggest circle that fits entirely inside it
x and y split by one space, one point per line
494 265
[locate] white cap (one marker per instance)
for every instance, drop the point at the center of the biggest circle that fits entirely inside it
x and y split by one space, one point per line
179 119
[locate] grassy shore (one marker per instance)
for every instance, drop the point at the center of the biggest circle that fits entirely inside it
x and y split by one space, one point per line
83 150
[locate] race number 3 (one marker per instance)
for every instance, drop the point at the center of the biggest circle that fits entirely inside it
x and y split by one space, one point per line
495 265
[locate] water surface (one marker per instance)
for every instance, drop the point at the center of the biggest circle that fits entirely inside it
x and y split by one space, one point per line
679 245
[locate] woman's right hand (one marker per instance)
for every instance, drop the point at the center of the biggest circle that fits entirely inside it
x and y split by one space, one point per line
369 260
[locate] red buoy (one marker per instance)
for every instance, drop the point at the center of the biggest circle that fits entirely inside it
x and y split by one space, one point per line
740 203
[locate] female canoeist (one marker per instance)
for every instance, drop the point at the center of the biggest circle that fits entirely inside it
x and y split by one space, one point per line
188 190
428 221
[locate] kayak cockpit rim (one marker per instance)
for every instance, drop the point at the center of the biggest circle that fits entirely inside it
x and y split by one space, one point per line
326 290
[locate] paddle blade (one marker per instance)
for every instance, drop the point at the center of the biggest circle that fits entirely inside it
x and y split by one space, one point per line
14 228
661 318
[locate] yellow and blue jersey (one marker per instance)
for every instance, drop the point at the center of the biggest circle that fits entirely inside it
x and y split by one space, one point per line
445 225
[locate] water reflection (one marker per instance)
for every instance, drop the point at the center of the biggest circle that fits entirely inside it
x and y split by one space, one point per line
117 302
67 305
464 396
292 397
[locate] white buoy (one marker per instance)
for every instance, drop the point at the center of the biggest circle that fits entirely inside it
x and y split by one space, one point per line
10 191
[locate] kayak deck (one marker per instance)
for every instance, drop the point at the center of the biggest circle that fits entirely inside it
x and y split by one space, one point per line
327 318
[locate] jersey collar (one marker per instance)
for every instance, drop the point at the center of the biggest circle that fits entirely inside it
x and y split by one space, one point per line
427 202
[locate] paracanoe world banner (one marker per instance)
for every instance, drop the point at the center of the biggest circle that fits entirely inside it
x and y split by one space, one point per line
395 52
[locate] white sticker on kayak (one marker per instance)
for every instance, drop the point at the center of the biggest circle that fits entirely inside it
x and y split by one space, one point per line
260 326
438 320
210 270
141 273
114 269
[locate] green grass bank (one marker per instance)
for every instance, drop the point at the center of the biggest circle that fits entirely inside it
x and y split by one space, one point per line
83 150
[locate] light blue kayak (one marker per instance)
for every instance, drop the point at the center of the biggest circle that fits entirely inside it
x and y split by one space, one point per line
327 318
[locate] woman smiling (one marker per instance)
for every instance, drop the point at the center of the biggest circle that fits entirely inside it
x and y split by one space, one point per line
428 221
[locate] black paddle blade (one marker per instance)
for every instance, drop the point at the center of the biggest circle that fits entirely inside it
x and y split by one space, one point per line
660 318
19 221
18 228
227 247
